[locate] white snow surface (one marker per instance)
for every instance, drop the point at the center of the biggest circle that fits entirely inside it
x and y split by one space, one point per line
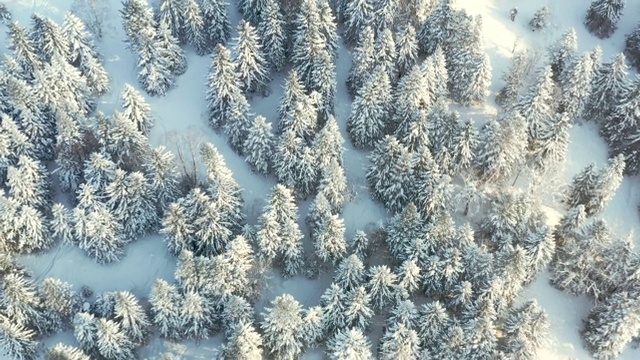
183 111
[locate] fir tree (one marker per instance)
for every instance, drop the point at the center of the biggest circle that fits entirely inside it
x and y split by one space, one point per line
608 84
23 49
349 344
540 20
282 327
406 49
409 276
364 61
136 109
131 317
501 148
313 326
575 83
632 47
164 178
112 342
249 59
464 147
164 299
525 330
17 341
333 308
217 27
156 73
328 144
514 79
293 93
561 53
177 61
245 343
329 239
171 14
60 302
65 352
358 312
333 185
273 38
194 27
552 144
223 85
259 146
381 286
399 342
358 15
536 106
602 17
48 39
368 120
195 316
238 123
350 273
85 331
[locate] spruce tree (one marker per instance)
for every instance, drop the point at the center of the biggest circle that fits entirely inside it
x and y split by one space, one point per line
171 14
164 299
329 239
367 122
177 61
514 79
333 185
282 327
223 84
131 317
406 49
48 39
358 15
551 147
112 342
245 343
399 342
217 27
381 285
136 109
364 61
358 312
17 341
328 144
273 36
238 122
349 344
608 84
632 47
193 27
84 330
561 53
259 146
65 352
164 178
602 17
575 81
23 49
537 105
249 59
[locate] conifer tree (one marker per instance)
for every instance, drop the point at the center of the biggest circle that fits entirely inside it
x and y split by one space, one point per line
399 342
85 331
23 49
194 27
314 326
602 17
537 105
383 159
358 15
575 81
367 122
17 341
608 84
561 52
48 39
217 27
333 185
333 308
464 147
156 73
349 344
364 61
358 312
249 59
501 148
164 178
540 19
112 342
350 273
514 79
282 327
177 61
136 109
171 14
65 352
329 239
195 316
328 144
223 85
164 299
632 47
273 36
245 343
238 123
551 147
406 49
328 27
60 303
259 146
381 285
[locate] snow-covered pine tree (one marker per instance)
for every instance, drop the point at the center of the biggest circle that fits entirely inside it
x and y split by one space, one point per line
608 84
575 82
437 27
223 84
273 36
502 147
358 312
561 53
514 79
383 159
99 172
358 15
156 73
364 61
136 109
465 142
259 146
112 342
238 122
525 330
177 61
282 327
61 224
292 250
217 27
163 178
399 342
333 185
386 54
350 273
251 66
313 326
328 27
29 184
384 15
164 299
552 143
381 285
349 344
195 316
245 343
632 47
333 308
126 146
537 105
194 27
65 352
16 340
328 144
60 303
131 316
23 49
602 17
470 71
540 20
48 39
171 14
84 330
329 239
594 189
406 49
295 164
368 120
323 81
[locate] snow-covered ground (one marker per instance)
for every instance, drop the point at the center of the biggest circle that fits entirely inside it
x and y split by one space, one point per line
182 112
